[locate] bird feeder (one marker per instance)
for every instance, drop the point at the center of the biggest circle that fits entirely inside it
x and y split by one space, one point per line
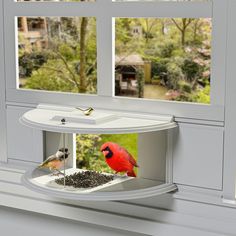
61 124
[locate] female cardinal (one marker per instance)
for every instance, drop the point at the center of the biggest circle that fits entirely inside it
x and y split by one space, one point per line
118 158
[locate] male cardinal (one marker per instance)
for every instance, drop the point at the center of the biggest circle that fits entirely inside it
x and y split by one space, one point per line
118 158
55 161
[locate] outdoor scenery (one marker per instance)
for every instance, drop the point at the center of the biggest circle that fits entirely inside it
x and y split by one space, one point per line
166 59
163 58
57 54
89 156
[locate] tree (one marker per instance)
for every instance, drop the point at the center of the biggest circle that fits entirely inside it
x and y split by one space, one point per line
82 73
182 26
70 65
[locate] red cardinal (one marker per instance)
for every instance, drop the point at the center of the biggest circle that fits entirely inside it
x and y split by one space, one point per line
118 158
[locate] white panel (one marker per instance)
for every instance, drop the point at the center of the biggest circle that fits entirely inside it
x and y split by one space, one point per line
152 155
23 143
230 111
198 156
15 222
3 142
219 45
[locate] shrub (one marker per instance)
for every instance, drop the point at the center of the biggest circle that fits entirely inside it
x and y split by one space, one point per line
31 61
191 69
184 86
174 74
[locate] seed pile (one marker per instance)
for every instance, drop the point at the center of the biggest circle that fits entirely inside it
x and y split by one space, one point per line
85 179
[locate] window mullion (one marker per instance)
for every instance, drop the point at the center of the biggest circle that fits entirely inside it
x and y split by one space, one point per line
3 135
162 9
218 61
105 56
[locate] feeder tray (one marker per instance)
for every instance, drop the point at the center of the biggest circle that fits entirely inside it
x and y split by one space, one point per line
85 179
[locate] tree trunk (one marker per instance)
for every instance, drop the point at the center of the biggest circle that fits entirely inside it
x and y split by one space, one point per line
183 32
83 33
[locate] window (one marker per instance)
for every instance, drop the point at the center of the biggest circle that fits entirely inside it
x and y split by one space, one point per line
107 83
89 156
57 54
163 58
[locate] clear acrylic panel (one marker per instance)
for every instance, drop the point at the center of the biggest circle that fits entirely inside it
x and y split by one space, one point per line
89 156
163 58
57 54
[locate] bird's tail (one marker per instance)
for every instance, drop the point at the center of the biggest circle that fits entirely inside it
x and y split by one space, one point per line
40 166
131 173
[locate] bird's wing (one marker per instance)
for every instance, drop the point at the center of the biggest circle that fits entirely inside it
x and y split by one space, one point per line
49 159
129 157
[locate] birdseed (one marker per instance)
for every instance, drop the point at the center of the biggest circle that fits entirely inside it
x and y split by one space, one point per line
85 179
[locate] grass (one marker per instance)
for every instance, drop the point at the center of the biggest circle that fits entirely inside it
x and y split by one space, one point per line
127 141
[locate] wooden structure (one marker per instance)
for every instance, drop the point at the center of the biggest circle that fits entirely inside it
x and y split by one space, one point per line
126 73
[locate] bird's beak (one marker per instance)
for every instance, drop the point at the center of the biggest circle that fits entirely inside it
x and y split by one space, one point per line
105 152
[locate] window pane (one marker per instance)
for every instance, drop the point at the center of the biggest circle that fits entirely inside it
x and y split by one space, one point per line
89 156
163 58
57 54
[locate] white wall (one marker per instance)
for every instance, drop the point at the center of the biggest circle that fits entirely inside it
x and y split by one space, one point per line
15 222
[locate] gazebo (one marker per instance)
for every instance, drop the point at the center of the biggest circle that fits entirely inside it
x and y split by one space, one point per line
126 68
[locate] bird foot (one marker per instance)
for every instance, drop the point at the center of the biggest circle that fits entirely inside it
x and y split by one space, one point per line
58 173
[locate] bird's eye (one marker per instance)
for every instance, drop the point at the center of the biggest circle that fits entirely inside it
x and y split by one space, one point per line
104 149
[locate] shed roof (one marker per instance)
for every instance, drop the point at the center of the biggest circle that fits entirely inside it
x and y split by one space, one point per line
129 60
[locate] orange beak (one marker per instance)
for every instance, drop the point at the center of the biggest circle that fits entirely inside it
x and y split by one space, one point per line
105 152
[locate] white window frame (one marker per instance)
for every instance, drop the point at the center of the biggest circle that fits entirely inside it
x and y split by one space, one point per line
105 11
229 172
3 131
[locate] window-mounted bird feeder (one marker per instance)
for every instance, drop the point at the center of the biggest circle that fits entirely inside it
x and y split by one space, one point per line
61 124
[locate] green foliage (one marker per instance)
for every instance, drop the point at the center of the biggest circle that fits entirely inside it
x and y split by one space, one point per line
66 51
184 86
204 95
31 61
140 79
167 49
57 68
174 74
52 76
191 69
88 150
178 49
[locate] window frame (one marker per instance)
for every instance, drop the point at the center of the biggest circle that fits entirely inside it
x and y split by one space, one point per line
229 161
105 11
3 121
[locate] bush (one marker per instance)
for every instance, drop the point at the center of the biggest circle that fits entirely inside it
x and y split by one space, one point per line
184 86
174 74
191 69
159 67
204 95
87 151
29 62
167 49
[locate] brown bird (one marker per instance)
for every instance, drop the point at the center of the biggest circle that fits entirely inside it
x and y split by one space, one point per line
56 161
